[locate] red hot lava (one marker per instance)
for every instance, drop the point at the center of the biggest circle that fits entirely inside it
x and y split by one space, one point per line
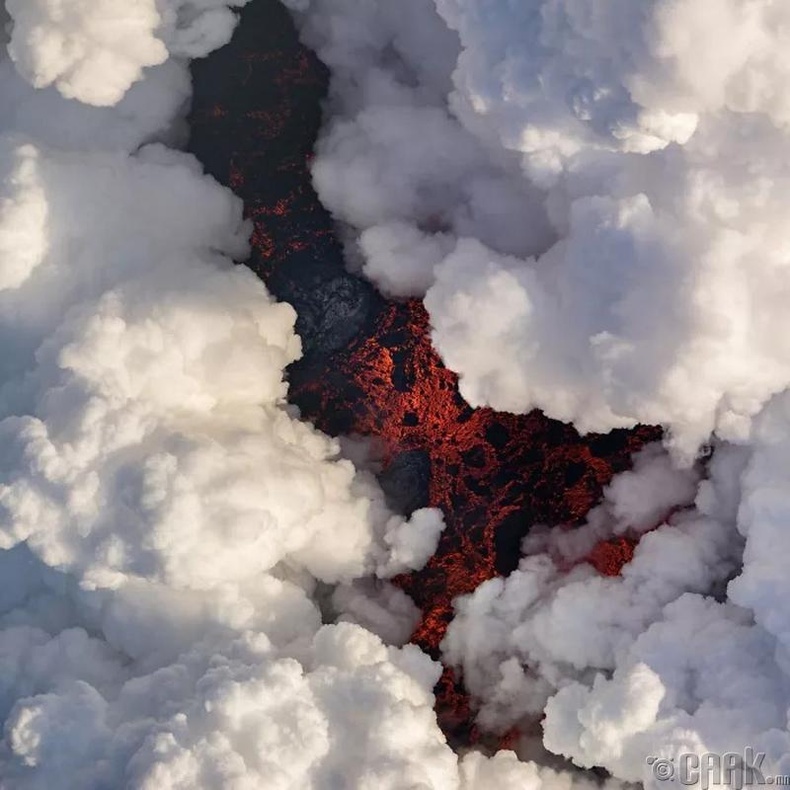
370 368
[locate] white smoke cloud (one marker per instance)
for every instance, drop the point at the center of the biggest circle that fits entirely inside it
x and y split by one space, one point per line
561 625
173 538
95 50
588 197
234 713
193 583
394 156
636 157
685 651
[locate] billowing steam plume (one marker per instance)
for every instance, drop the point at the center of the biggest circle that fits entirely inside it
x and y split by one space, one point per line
173 537
591 196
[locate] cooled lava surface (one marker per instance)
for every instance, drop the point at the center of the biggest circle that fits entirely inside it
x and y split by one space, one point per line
369 367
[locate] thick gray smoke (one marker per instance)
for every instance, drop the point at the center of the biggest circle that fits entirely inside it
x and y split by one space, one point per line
591 195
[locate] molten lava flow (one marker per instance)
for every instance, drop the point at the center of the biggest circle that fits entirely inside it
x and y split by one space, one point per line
609 556
492 474
369 367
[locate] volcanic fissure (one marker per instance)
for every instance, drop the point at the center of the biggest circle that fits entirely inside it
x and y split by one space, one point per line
369 367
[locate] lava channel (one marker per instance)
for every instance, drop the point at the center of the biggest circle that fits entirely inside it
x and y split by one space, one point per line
369 365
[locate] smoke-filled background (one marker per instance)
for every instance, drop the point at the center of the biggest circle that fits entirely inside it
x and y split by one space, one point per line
195 585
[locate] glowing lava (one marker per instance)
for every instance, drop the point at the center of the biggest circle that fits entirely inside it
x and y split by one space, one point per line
370 367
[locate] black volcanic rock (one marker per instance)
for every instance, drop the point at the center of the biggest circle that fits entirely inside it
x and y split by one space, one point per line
256 115
332 306
406 481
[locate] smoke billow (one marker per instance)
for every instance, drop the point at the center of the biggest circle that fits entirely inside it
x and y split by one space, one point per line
603 190
591 198
193 582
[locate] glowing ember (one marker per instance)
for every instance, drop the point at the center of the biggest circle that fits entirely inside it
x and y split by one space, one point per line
370 367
